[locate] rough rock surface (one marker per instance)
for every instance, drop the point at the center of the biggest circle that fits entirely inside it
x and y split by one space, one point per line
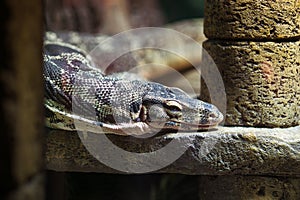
223 151
262 81
244 19
248 187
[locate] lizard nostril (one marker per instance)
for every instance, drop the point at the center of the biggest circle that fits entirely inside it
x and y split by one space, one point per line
212 115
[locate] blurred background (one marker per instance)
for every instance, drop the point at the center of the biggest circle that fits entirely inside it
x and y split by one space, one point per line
112 16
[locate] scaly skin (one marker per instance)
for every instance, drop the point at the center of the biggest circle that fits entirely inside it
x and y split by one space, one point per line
79 97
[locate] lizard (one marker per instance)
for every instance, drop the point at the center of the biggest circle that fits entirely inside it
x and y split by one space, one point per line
80 97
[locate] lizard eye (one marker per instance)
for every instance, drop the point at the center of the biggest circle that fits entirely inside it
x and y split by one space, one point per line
173 105
174 109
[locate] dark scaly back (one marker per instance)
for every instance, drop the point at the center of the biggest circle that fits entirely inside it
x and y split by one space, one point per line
72 82
61 63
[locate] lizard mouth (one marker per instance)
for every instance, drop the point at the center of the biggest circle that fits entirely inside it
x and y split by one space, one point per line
186 126
212 120
175 124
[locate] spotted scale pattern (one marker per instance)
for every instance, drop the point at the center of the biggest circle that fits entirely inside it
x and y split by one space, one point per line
75 90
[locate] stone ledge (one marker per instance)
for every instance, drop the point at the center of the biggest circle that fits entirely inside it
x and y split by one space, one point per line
224 151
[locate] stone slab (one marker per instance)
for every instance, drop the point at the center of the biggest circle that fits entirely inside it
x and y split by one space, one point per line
223 151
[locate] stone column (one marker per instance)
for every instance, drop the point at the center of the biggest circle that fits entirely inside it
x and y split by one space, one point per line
255 45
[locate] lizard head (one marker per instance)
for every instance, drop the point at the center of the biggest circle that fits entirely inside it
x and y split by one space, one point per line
171 108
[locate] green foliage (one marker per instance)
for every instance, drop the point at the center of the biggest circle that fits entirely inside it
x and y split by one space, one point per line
182 9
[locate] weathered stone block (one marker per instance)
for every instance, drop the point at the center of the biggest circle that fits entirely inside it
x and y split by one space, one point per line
248 19
262 81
